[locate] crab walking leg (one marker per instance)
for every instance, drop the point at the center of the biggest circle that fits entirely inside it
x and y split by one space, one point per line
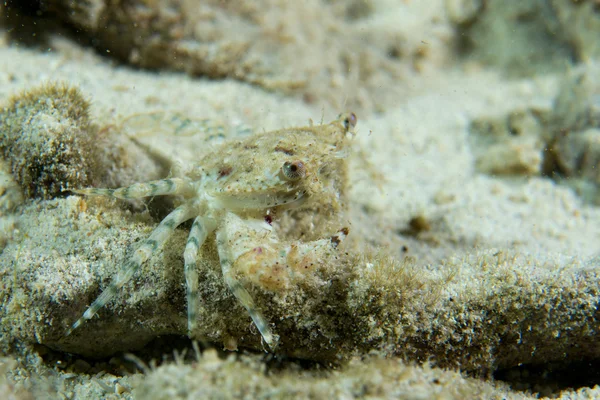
138 190
200 230
158 237
225 247
246 300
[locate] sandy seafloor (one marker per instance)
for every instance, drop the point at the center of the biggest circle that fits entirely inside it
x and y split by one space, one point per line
425 165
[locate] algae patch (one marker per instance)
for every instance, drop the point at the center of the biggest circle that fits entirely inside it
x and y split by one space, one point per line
212 377
51 144
48 140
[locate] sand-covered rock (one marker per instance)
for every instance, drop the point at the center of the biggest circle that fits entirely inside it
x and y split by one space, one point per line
321 48
246 378
560 140
48 140
491 310
526 37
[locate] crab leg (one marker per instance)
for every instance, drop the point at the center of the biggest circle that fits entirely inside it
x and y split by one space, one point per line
138 190
153 243
226 248
246 300
200 230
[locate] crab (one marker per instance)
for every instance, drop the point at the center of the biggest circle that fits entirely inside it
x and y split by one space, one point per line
234 193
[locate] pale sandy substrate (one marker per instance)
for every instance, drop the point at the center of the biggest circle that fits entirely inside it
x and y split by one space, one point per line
419 146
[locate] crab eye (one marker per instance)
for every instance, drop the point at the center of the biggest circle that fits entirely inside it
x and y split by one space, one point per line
292 171
350 121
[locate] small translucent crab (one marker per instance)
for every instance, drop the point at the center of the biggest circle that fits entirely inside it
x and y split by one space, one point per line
235 192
